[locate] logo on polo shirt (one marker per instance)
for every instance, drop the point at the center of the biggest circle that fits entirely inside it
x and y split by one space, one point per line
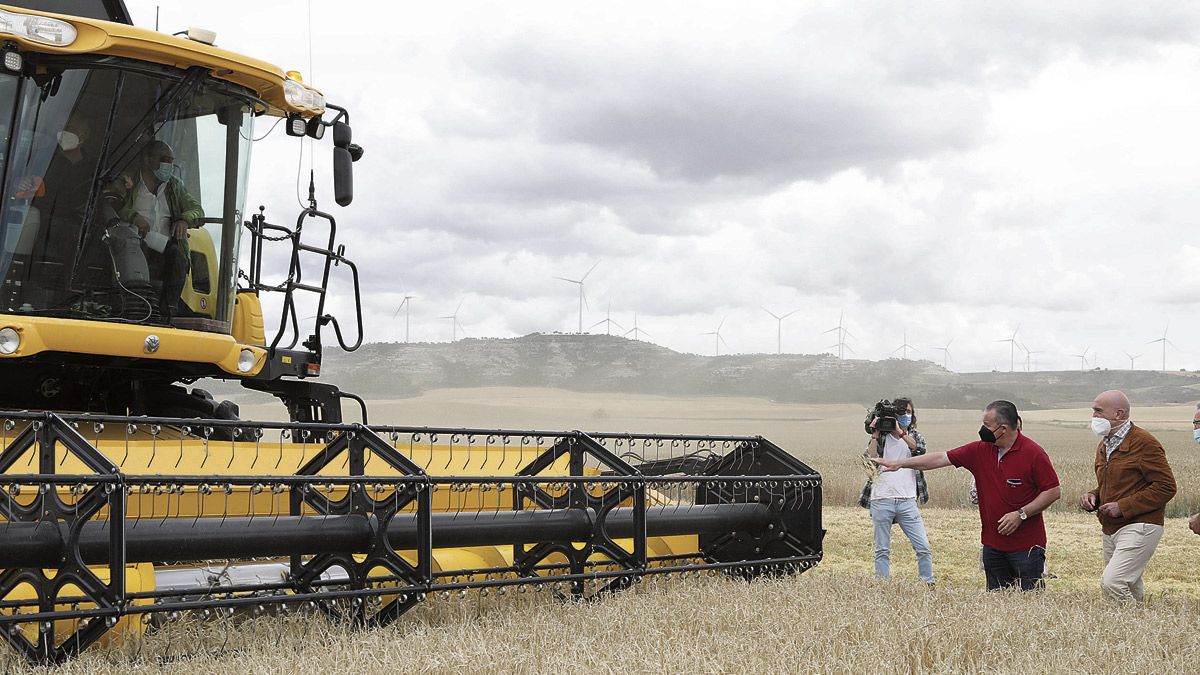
1014 482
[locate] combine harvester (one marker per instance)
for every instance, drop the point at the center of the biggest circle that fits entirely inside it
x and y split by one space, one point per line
128 499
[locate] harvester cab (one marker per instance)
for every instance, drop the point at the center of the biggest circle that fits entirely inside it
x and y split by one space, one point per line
129 268
125 166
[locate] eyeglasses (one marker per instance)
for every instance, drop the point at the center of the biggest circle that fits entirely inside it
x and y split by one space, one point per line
1195 423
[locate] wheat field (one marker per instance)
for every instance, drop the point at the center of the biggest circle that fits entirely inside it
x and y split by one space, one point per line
835 618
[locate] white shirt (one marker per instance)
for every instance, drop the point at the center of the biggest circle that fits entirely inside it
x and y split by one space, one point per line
153 207
901 483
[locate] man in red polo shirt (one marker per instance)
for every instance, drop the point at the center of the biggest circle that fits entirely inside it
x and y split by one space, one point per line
1016 482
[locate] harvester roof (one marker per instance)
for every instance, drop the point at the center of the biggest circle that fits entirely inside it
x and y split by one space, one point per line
280 93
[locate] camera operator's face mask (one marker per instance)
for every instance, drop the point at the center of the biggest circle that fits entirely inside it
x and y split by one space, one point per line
904 420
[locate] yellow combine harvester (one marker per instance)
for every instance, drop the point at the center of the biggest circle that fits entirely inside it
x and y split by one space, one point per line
127 498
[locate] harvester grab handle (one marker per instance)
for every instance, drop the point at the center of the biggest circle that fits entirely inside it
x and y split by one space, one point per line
337 329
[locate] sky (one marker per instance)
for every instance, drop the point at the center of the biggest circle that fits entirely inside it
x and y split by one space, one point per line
932 173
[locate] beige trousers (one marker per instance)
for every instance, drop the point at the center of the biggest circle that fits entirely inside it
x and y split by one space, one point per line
1126 553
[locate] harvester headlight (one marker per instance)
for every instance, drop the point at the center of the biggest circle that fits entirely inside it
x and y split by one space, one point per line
246 361
299 96
40 29
10 340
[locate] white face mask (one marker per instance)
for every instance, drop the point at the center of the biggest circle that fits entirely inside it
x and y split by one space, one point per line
1101 426
68 140
164 171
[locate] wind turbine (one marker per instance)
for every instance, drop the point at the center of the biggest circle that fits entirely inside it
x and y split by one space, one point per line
779 327
719 340
454 324
842 333
635 330
1033 353
945 353
1132 358
406 305
903 348
1082 358
582 298
1164 342
1012 349
609 323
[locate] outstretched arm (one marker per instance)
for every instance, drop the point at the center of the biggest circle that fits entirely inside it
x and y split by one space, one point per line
924 462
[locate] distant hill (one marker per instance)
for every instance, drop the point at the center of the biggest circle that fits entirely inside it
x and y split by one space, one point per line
601 363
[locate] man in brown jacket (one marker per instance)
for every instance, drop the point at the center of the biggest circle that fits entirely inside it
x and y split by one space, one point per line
1134 484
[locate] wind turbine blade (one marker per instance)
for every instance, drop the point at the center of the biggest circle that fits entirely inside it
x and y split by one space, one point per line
722 324
583 294
581 279
776 316
835 328
615 324
847 332
566 279
599 322
722 340
847 348
460 302
789 314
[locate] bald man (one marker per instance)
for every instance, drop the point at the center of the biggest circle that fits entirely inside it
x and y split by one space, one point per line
1134 484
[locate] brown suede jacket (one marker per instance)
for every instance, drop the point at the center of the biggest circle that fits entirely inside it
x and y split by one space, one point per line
1136 477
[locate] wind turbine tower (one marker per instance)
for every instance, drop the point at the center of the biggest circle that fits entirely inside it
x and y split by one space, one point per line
608 321
582 297
635 330
454 324
842 334
1082 358
945 353
779 327
1012 349
903 348
1164 342
718 340
1132 358
406 305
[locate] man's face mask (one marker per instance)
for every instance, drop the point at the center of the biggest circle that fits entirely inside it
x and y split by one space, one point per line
164 172
1196 434
987 435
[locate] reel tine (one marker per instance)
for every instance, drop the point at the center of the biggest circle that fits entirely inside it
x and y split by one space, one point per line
279 460
257 433
204 461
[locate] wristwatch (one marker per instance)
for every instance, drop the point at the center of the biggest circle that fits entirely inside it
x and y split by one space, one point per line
1021 512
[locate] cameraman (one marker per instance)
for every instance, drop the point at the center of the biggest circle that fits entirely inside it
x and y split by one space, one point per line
892 496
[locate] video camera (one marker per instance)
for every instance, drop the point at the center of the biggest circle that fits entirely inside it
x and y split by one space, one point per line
884 415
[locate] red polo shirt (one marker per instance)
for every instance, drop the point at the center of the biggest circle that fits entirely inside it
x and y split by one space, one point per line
1005 485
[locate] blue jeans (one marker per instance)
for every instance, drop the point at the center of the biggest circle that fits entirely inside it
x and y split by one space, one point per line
904 513
1004 569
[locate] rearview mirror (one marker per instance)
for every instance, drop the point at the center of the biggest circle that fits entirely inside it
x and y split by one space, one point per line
343 175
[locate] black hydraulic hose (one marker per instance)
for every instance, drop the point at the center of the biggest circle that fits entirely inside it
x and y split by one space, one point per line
43 544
